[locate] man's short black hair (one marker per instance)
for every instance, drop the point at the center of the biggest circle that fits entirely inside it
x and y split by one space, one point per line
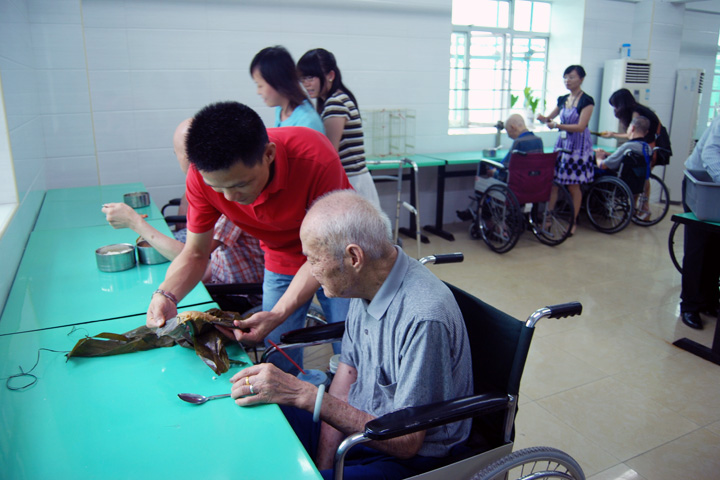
224 133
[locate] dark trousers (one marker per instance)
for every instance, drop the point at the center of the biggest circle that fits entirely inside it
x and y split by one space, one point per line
701 268
362 462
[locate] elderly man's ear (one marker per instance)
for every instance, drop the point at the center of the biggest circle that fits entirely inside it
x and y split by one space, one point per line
356 255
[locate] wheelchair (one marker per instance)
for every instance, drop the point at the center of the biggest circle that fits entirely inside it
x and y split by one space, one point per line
500 345
630 195
498 208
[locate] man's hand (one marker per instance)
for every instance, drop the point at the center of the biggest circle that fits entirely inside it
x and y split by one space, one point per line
121 215
257 327
271 385
160 309
601 154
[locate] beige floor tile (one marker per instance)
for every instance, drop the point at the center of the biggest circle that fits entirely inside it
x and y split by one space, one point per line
550 370
535 426
692 456
684 383
609 353
618 472
715 428
618 417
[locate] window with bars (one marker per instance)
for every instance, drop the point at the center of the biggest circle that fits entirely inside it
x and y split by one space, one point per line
498 48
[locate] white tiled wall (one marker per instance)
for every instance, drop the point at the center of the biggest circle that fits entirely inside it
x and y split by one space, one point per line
24 156
109 79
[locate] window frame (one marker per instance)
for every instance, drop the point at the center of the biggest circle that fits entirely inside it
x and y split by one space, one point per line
508 35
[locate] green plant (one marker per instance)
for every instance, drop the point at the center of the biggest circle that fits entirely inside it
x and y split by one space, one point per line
530 100
513 100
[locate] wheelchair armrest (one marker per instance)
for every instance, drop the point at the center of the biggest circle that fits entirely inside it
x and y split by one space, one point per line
234 288
331 331
176 219
302 337
173 202
493 163
414 419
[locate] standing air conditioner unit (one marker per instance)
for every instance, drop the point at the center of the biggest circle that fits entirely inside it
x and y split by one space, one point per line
683 126
621 73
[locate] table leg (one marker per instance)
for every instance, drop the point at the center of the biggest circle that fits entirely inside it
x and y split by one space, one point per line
709 354
411 231
439 205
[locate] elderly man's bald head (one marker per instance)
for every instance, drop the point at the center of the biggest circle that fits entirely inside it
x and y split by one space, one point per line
179 144
344 217
515 125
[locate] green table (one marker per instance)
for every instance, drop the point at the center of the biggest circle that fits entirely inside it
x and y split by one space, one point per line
711 354
97 194
119 417
58 282
81 207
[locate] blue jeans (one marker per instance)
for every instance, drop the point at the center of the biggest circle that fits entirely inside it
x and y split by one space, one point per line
274 286
361 462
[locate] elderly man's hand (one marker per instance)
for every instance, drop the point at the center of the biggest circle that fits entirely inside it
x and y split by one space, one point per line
257 327
121 215
265 383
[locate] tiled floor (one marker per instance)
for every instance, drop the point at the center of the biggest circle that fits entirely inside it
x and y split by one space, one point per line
607 387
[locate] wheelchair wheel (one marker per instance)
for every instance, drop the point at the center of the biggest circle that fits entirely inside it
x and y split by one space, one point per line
500 219
676 247
553 226
652 206
474 230
533 463
609 204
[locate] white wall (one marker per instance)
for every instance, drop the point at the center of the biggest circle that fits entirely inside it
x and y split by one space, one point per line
23 152
110 79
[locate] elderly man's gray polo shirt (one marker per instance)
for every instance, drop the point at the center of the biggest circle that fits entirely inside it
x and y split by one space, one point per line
410 348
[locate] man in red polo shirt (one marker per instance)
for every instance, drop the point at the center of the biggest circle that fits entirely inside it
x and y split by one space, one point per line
263 181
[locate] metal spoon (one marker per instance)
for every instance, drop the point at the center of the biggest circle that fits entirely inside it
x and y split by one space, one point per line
199 399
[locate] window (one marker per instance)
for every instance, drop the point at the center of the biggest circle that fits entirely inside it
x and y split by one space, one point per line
498 48
715 89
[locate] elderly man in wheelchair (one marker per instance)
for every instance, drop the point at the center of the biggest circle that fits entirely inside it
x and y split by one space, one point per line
405 345
519 193
619 193
429 374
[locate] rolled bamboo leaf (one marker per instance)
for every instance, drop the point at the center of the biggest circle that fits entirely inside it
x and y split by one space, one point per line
191 329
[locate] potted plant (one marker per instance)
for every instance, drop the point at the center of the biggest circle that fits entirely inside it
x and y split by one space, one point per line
531 104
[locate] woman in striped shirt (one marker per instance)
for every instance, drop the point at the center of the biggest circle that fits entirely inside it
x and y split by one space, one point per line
338 108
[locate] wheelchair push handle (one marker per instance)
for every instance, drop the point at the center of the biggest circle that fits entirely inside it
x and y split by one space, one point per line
554 311
563 310
441 258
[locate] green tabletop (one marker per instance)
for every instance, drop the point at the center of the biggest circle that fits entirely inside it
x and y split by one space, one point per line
58 274
98 194
119 417
464 158
390 161
690 217
81 213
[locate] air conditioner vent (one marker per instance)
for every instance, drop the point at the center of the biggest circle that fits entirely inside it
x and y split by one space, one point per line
637 73
700 81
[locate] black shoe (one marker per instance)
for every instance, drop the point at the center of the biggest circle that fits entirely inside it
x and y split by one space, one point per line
692 320
464 215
